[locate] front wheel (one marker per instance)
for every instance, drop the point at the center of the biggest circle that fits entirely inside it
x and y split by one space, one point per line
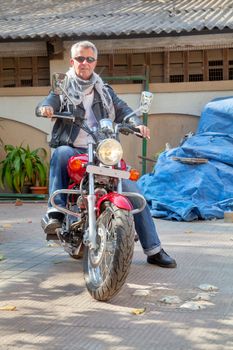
106 268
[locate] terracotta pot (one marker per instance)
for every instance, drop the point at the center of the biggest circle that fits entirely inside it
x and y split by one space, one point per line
39 189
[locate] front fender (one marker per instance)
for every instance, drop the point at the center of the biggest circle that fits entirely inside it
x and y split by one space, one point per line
117 199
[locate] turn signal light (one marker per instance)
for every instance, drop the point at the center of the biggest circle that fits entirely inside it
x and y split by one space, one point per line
134 174
75 164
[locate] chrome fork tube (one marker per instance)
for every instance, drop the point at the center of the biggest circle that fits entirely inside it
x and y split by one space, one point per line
119 185
91 204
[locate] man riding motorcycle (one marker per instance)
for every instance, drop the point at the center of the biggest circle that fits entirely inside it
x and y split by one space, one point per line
95 100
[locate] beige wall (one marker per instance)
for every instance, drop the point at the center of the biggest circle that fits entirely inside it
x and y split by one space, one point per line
165 128
15 133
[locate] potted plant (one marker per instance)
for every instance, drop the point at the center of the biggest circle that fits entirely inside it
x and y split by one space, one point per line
23 166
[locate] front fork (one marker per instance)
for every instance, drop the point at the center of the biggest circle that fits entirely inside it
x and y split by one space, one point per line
91 199
90 237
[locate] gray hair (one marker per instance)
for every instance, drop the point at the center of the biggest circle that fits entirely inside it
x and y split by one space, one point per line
84 44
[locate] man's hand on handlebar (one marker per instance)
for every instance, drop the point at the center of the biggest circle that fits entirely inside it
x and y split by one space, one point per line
144 131
47 111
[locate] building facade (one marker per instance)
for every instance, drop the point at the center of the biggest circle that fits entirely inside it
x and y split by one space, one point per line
185 63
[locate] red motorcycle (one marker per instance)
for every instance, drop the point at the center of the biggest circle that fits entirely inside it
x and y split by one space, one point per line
99 221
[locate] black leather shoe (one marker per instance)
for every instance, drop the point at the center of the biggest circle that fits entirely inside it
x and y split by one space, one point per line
51 222
161 259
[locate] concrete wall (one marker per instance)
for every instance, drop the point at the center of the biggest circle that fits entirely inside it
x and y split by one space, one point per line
165 128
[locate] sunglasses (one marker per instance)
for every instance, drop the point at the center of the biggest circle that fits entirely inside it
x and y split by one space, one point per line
81 59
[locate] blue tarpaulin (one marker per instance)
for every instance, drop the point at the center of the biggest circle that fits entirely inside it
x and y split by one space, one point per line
196 191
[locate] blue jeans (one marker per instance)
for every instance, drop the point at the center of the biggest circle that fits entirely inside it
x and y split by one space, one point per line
59 179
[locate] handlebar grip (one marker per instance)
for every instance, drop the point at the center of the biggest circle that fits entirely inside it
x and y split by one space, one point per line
136 131
129 129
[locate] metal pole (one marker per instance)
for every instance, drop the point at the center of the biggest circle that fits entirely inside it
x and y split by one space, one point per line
145 121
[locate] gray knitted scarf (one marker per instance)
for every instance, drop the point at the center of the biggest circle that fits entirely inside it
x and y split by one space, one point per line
77 88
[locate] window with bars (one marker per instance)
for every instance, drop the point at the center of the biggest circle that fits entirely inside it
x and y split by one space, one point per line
231 73
195 65
176 78
157 64
24 71
195 77
176 67
215 70
230 68
215 74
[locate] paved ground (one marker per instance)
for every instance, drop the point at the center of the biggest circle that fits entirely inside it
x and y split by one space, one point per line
54 311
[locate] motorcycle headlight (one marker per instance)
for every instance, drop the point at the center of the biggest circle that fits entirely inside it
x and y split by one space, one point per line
109 152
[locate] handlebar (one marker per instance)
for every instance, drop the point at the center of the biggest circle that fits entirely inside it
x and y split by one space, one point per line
123 128
64 115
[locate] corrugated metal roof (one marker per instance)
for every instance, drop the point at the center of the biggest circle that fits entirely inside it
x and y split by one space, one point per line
28 19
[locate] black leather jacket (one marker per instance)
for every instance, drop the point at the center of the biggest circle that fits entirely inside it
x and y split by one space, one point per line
65 131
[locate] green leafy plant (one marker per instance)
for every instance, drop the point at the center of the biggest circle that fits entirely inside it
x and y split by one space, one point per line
23 165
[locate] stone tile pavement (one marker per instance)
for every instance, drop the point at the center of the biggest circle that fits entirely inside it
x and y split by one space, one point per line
54 310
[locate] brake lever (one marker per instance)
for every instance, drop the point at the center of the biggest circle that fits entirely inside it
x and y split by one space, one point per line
136 132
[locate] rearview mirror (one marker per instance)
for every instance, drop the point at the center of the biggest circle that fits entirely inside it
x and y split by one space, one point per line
59 83
146 100
145 103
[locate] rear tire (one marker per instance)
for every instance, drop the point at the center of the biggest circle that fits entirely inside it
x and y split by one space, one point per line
115 240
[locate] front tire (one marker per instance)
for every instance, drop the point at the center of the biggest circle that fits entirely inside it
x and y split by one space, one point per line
106 269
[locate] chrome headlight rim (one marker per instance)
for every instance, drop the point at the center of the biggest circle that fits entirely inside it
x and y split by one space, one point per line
109 152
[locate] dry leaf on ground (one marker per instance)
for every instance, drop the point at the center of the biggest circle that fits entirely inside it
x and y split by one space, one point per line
138 311
18 202
7 225
8 308
207 287
141 292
